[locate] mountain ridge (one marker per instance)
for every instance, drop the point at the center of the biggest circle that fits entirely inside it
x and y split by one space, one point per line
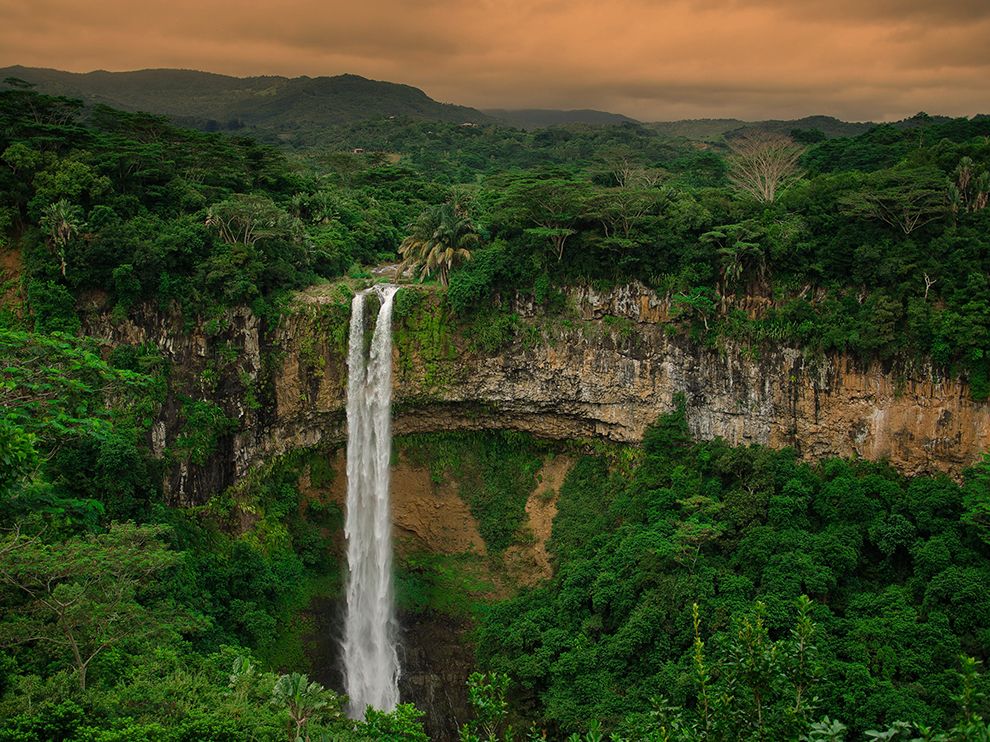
268 102
293 110
538 118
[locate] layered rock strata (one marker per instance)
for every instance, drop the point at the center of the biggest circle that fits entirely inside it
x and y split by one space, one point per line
606 368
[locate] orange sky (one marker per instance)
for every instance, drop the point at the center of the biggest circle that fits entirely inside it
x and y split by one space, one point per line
655 60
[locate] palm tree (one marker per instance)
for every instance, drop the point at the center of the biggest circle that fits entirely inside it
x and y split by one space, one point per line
63 221
440 238
739 252
738 259
302 698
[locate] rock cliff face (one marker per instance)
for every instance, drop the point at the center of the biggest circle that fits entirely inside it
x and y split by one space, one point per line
430 516
607 369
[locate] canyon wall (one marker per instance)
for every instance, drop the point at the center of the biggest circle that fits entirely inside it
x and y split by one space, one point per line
604 368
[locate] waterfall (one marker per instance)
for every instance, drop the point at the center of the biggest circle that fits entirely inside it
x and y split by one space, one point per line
371 661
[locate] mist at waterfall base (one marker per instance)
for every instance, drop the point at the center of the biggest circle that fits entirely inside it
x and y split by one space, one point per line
371 661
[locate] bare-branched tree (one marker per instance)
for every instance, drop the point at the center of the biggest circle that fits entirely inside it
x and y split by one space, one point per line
762 163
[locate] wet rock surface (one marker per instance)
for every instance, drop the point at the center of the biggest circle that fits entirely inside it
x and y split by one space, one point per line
322 642
436 657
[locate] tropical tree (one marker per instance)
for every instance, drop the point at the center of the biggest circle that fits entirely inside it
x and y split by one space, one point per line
440 238
403 724
625 170
549 207
245 219
486 694
304 701
18 458
970 190
62 221
626 213
58 387
905 198
698 303
739 252
85 595
977 497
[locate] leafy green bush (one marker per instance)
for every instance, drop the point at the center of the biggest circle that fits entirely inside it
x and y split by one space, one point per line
204 423
53 307
892 565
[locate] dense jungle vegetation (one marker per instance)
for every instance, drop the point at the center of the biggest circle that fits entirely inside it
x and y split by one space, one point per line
126 618
681 592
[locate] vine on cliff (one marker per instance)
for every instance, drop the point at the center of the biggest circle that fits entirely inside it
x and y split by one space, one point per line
423 335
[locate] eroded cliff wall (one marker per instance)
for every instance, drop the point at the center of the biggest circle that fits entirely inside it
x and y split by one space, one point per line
605 368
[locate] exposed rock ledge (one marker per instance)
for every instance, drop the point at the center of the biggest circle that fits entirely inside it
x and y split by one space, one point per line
590 376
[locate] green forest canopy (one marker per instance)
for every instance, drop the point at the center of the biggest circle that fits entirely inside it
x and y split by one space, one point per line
876 246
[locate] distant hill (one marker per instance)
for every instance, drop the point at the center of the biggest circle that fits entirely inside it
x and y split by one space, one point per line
699 129
714 129
288 108
302 111
828 125
538 118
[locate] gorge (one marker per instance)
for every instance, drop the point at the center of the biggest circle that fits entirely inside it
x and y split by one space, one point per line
639 421
603 369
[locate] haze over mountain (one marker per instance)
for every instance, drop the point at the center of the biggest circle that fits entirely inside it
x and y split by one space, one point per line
280 103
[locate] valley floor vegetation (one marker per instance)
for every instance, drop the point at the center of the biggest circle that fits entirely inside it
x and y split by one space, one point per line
699 591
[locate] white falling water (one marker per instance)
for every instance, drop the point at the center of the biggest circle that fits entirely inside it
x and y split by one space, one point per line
371 661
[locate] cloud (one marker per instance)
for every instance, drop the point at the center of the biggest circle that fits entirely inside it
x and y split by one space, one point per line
845 11
652 59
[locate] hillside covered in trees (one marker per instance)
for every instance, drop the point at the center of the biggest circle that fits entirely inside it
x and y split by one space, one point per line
295 110
675 609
